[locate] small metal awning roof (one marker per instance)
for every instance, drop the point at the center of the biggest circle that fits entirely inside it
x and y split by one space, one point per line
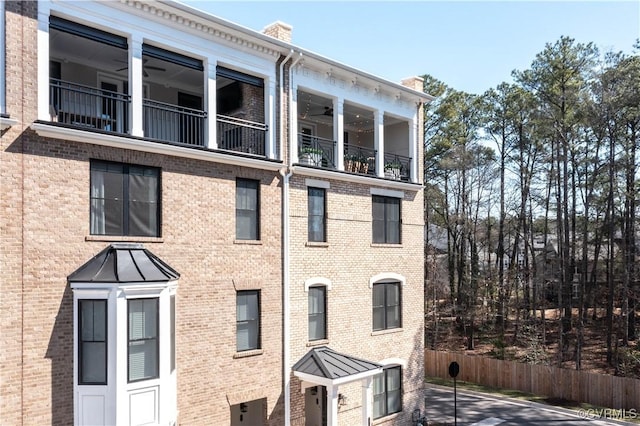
124 263
323 365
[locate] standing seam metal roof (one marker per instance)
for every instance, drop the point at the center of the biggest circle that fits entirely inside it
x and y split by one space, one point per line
124 263
325 362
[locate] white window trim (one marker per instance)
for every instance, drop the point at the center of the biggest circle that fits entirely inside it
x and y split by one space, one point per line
390 362
315 183
317 281
386 277
387 192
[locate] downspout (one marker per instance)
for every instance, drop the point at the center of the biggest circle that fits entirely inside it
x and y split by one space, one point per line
286 173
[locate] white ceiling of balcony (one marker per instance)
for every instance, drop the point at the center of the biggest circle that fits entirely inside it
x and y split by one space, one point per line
70 48
312 107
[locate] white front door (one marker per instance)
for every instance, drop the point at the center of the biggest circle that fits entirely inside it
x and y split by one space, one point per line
315 406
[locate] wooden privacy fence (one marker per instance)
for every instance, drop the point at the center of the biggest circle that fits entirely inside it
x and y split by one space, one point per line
597 389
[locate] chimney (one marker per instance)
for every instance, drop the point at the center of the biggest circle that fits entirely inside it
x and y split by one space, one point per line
279 30
415 83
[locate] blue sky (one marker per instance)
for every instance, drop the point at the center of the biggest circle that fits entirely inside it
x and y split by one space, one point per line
471 45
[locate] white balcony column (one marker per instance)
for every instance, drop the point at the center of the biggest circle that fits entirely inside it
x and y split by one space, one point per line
338 132
378 135
293 130
135 85
210 95
332 406
270 118
43 62
413 148
367 400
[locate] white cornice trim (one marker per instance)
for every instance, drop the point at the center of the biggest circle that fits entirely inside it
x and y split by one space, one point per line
206 26
364 180
115 141
6 122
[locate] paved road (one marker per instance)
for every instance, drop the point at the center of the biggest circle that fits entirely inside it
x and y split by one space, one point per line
482 410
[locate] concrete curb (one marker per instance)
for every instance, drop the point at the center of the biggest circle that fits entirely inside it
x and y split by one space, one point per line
524 402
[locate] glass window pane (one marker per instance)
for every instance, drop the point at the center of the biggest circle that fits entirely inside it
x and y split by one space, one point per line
113 185
143 184
393 317
143 339
393 378
124 199
247 320
246 225
143 218
378 231
378 208
378 319
316 214
92 345
394 402
378 406
86 313
93 362
99 321
393 293
143 359
378 295
113 217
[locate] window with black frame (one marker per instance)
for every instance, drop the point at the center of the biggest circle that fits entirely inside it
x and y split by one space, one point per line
247 209
317 222
247 320
317 313
386 220
386 306
387 392
92 342
125 199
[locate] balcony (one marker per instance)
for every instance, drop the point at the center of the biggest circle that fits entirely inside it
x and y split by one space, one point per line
88 107
397 167
235 134
359 160
316 152
173 123
359 140
91 89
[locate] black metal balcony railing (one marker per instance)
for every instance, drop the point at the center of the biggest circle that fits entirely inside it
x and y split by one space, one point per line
397 167
359 160
88 107
235 134
315 151
173 123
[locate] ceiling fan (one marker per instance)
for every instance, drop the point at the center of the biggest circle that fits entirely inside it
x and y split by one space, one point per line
328 111
145 67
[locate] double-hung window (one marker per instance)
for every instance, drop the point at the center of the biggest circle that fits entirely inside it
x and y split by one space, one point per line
386 220
247 320
317 313
386 306
143 360
317 223
247 209
125 200
387 388
92 342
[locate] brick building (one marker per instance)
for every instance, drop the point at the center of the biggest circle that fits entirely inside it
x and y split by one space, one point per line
202 224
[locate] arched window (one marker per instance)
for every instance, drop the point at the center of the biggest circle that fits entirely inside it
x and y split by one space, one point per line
317 312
